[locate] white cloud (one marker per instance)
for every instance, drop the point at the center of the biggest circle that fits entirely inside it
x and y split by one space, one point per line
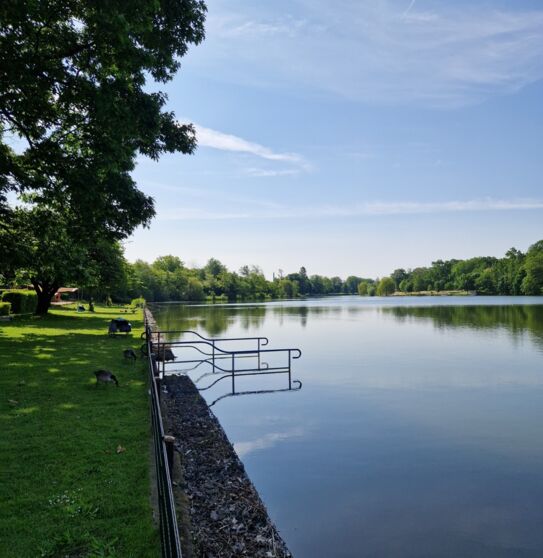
270 172
386 51
228 142
375 208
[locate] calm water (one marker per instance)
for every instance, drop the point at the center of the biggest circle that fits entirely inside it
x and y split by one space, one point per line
418 431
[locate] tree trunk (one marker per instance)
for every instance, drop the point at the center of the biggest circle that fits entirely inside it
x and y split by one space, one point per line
45 292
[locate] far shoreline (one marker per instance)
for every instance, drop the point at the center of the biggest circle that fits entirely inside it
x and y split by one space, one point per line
438 293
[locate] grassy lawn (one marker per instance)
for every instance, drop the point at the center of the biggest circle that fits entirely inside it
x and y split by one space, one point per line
74 458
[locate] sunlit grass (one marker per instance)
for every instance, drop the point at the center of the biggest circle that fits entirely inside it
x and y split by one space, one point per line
65 488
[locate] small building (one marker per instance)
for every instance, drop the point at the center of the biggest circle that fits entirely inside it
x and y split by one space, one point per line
66 294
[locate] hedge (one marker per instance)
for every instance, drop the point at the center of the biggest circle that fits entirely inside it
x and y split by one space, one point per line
5 308
22 302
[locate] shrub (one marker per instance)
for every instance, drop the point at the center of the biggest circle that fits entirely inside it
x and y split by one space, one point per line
22 302
138 302
5 308
385 287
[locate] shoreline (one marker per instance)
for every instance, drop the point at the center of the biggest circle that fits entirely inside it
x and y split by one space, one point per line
219 511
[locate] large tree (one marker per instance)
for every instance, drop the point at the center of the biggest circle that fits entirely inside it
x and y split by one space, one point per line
45 255
75 111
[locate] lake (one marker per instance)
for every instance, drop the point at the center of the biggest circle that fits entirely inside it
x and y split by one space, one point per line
418 431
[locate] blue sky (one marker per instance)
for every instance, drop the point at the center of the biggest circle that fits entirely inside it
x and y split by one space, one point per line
354 137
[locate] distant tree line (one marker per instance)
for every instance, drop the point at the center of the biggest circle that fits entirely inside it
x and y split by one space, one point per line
514 274
168 279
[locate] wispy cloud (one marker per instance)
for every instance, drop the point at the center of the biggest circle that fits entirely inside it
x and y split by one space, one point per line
387 51
270 172
228 142
207 195
375 208
409 8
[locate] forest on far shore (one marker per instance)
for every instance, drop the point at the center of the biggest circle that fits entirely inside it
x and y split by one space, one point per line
167 279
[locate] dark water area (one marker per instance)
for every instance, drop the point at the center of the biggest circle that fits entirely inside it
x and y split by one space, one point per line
418 431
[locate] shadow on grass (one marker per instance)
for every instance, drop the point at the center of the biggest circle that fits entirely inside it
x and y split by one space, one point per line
98 320
76 455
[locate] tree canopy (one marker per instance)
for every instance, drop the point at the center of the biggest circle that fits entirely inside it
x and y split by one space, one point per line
76 111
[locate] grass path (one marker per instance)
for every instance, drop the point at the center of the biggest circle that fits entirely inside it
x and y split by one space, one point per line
74 458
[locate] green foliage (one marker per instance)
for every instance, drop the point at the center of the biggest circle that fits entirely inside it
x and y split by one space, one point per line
513 274
532 283
214 268
82 544
351 284
74 90
137 302
385 287
22 301
168 279
48 256
288 288
363 288
5 308
73 86
398 275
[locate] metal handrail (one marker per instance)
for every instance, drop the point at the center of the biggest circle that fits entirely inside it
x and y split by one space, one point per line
218 354
169 531
219 339
223 351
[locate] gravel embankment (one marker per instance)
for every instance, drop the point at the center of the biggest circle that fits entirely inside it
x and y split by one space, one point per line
224 514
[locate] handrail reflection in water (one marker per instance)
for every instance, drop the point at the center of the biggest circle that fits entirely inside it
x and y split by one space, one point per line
226 363
296 387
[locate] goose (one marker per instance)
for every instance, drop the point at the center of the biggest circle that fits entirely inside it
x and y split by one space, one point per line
105 376
130 354
165 354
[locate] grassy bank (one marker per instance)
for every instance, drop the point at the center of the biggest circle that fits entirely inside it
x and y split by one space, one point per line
74 458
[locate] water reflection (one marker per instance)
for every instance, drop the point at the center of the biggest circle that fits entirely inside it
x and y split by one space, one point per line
267 441
213 320
516 320
417 432
296 385
217 319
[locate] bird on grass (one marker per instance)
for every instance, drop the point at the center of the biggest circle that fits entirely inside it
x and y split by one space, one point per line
105 376
130 354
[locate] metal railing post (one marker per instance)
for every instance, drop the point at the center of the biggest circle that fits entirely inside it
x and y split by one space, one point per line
233 381
289 374
169 441
153 363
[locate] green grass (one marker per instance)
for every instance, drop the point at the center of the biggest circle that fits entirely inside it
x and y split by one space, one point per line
64 488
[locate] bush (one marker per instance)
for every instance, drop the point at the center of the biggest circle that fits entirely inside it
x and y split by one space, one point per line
138 302
22 302
5 308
